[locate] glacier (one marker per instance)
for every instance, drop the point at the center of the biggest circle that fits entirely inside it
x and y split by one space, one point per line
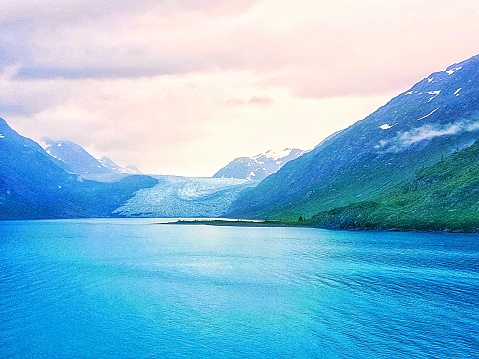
187 197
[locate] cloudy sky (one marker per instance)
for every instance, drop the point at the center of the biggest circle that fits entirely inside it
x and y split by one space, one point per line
183 87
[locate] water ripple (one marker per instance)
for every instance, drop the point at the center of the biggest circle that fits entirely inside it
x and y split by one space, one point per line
111 288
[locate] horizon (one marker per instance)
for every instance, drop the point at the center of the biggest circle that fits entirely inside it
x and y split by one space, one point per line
183 89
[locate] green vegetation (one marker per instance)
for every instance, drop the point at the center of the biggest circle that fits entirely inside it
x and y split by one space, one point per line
441 197
403 177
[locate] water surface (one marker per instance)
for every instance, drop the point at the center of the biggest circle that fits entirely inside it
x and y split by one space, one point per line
130 288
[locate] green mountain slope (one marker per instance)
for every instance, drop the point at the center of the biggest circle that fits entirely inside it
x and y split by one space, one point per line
368 160
444 196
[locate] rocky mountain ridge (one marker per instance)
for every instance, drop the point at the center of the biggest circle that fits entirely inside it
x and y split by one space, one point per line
57 183
416 129
33 185
76 160
260 166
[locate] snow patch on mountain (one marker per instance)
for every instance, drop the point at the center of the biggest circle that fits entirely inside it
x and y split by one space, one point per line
53 154
452 70
112 166
259 166
274 154
435 93
76 160
429 114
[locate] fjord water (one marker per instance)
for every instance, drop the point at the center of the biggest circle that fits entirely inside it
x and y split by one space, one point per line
131 288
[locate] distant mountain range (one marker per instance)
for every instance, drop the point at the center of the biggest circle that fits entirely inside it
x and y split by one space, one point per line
33 185
75 159
411 165
56 182
260 166
366 170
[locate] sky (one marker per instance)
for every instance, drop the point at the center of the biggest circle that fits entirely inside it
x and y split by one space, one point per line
184 87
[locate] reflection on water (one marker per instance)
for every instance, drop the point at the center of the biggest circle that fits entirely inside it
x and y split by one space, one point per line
130 288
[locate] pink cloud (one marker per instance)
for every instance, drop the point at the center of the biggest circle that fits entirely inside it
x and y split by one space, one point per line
153 78
254 100
260 100
318 50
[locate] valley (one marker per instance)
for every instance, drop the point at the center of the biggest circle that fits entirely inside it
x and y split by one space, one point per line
410 165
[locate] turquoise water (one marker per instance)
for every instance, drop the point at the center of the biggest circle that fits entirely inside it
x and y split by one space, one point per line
132 289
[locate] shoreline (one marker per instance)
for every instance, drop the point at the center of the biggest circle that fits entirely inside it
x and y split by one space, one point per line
236 223
273 223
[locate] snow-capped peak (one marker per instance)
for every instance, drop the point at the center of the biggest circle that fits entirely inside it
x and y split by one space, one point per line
75 159
275 154
112 166
260 166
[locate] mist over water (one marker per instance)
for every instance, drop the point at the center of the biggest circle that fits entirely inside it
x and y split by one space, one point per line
131 288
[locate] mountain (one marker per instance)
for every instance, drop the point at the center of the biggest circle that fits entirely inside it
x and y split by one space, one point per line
443 196
172 196
75 159
33 185
114 168
175 196
36 184
260 166
435 118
